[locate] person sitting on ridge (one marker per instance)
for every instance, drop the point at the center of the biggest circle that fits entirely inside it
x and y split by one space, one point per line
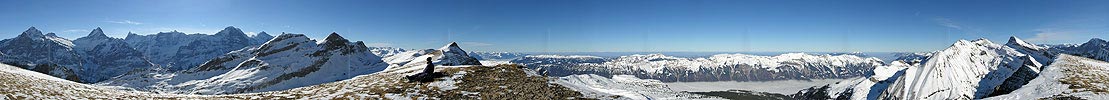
430 67
427 75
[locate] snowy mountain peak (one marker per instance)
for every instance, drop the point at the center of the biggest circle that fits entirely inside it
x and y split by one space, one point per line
263 34
976 42
334 37
231 31
451 47
284 37
32 33
1014 41
262 37
1096 42
97 33
51 34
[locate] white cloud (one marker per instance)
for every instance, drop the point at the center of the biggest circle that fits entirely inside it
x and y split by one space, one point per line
1044 36
125 22
476 44
948 23
379 44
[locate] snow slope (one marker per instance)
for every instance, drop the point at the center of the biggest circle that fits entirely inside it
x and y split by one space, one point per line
625 86
290 61
1069 76
966 70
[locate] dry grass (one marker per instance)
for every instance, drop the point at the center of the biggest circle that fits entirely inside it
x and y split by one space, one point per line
1083 77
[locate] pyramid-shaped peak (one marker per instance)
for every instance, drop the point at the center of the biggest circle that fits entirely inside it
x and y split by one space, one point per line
1099 40
230 28
97 33
231 31
453 46
334 37
263 33
31 32
1015 40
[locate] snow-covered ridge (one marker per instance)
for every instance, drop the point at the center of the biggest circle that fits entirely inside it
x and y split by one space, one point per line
966 70
1069 76
287 61
720 67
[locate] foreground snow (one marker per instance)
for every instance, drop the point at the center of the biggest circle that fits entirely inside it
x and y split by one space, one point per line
1069 76
625 86
779 86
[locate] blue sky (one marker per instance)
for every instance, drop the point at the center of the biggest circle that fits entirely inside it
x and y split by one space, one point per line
589 25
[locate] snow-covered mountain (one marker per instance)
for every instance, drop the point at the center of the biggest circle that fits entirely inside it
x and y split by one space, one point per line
179 51
721 67
966 70
48 54
106 57
410 62
262 37
1096 48
287 61
1068 78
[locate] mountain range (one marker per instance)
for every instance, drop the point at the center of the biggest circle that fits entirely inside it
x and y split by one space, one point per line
232 65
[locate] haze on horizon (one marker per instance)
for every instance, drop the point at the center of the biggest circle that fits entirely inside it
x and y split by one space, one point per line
589 25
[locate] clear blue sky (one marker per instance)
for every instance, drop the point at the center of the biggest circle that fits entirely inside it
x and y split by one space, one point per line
589 25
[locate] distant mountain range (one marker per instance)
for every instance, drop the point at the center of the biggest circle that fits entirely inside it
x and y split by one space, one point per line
721 67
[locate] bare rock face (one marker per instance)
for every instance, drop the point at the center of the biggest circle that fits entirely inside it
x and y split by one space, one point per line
107 57
43 53
180 51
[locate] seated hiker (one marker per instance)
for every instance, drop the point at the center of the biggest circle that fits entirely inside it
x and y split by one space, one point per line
427 75
430 67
